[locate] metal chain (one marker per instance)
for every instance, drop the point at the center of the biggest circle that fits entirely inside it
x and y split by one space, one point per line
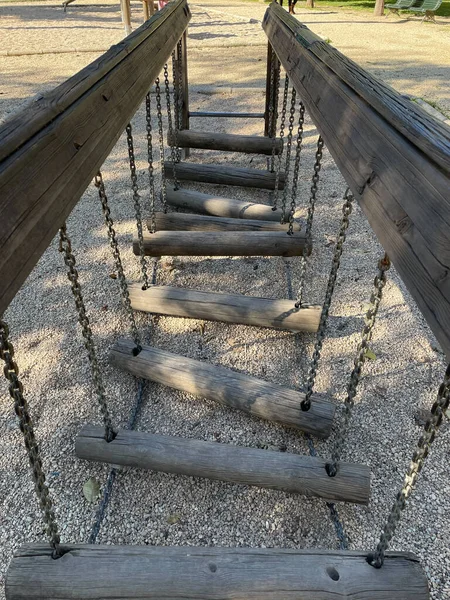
173 135
431 428
11 372
346 211
288 153
275 116
309 221
273 109
137 205
298 152
65 246
384 265
151 175
280 154
178 86
161 144
98 180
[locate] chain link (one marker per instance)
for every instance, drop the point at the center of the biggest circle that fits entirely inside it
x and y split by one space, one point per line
65 246
346 211
161 144
151 174
178 87
11 373
98 180
309 221
280 154
273 108
288 153
137 205
384 265
298 152
431 428
173 135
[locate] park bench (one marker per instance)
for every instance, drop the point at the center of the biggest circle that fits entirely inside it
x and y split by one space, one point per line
427 8
401 5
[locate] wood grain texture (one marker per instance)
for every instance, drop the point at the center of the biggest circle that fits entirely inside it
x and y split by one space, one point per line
224 175
251 144
188 222
221 207
291 473
222 243
394 157
52 150
94 572
227 308
243 392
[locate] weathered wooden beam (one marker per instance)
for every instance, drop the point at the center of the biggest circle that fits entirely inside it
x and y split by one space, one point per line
394 156
233 115
227 308
90 572
251 144
222 243
249 394
221 207
291 473
50 151
224 175
187 222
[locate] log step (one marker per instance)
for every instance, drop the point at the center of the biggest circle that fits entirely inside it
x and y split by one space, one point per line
89 572
227 308
252 395
222 243
291 473
250 144
224 175
187 222
221 207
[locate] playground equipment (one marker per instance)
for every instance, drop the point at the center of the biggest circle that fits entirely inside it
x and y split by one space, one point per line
392 155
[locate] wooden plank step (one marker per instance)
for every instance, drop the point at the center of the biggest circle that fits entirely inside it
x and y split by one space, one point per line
228 308
221 207
291 473
221 243
89 572
224 175
252 395
250 144
187 222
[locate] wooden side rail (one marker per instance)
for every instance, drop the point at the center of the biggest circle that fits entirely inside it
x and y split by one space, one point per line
393 155
50 152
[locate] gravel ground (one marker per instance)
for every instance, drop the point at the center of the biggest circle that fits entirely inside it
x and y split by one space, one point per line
155 508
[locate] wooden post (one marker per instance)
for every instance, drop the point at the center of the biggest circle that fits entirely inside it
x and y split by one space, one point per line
271 58
87 571
145 9
225 175
126 15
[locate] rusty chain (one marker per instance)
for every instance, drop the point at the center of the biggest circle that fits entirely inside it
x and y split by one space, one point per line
161 144
11 373
379 283
298 152
137 205
173 135
280 154
151 173
346 211
288 154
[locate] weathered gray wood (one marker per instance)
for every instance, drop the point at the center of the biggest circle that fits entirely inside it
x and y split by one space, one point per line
291 473
221 207
224 175
187 222
228 308
51 151
94 572
251 144
395 158
249 394
222 243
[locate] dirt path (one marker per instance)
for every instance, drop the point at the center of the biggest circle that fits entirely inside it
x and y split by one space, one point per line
149 508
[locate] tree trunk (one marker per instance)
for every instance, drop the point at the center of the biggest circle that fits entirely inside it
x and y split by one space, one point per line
379 8
309 3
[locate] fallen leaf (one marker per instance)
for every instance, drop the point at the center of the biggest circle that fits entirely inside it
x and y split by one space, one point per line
172 519
91 489
370 355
